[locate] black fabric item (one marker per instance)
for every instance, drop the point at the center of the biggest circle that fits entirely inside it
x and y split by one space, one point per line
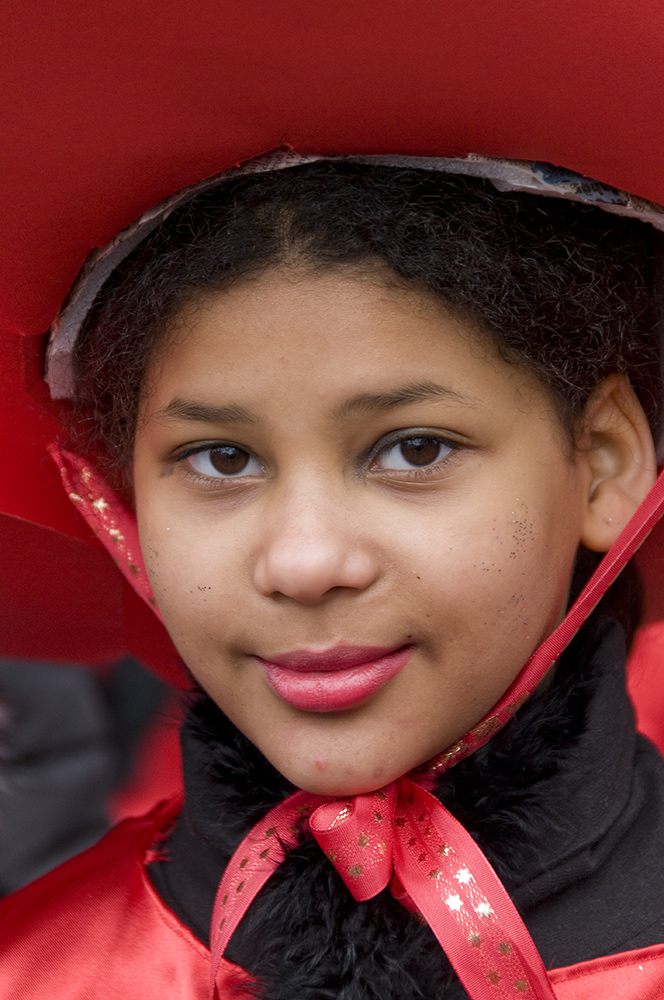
57 767
567 802
67 740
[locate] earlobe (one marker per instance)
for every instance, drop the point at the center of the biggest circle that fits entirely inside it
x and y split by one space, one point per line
620 462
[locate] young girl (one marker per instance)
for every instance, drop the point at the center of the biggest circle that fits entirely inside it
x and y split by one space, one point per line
376 423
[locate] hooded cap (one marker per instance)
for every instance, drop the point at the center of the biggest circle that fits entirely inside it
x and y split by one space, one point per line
108 112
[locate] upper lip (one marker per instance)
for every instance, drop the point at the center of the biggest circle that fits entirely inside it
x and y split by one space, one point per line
339 657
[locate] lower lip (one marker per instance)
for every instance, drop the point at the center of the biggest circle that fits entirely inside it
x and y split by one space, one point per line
333 690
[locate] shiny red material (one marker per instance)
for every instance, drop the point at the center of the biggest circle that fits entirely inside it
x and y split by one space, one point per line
117 941
104 114
95 927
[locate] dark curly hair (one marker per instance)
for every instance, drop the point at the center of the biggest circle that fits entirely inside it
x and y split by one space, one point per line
565 290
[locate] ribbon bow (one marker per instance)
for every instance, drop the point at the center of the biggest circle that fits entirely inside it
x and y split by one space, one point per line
400 836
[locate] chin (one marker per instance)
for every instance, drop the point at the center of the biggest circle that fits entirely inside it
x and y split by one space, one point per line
314 779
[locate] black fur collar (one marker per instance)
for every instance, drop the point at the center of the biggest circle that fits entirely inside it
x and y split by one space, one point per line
304 937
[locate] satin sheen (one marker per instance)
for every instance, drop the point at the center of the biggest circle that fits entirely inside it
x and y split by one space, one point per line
95 929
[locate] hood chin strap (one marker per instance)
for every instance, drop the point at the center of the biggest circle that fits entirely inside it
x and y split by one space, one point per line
115 526
400 835
108 516
628 542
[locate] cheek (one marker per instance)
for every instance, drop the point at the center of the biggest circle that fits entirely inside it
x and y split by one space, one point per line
184 571
510 577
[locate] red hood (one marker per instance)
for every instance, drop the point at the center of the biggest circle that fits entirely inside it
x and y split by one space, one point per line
105 115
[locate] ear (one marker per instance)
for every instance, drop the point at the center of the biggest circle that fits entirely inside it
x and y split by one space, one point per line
619 455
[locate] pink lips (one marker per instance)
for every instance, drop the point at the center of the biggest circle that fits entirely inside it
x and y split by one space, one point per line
335 679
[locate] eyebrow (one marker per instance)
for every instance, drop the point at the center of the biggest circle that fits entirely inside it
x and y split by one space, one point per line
416 392
366 402
185 409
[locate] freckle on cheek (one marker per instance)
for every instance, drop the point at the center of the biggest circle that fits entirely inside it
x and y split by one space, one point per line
320 765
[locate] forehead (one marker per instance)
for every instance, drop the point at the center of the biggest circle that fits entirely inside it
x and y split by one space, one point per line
324 335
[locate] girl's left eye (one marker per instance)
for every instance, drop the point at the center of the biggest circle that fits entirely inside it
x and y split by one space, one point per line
415 452
224 461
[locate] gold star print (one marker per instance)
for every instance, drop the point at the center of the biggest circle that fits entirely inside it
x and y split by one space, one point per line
243 862
474 940
362 840
382 847
382 796
264 854
332 856
483 910
505 948
487 728
100 504
240 887
434 873
444 849
399 821
522 986
271 832
450 754
378 817
355 871
224 900
493 977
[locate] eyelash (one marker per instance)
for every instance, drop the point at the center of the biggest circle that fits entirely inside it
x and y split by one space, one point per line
401 438
369 458
210 482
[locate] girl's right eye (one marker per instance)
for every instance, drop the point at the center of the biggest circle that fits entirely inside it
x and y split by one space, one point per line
224 462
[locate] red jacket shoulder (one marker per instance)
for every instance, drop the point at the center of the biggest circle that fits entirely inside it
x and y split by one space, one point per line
95 927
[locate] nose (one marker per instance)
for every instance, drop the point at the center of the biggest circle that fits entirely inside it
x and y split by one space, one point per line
309 548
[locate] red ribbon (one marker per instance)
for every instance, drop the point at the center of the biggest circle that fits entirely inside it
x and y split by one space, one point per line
400 835
403 837
108 516
115 526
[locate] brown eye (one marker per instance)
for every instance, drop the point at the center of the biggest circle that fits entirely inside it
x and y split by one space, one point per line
228 460
420 451
414 453
225 460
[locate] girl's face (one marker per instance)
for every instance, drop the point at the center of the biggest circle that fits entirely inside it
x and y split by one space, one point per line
358 522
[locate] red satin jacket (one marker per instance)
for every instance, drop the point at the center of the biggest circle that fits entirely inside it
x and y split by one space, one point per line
95 929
